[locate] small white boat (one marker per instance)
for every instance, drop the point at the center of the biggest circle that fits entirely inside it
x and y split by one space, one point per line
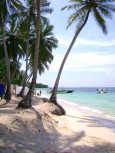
102 90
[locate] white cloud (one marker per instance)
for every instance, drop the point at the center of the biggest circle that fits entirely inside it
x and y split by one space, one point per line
85 62
65 41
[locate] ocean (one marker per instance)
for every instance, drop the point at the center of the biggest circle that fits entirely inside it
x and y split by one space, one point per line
88 98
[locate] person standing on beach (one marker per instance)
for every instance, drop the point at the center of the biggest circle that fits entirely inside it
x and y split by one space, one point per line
2 89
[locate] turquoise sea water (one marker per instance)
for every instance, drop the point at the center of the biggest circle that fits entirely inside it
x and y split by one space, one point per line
88 97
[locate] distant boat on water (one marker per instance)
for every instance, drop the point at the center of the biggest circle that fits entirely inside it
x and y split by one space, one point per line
102 90
61 91
69 91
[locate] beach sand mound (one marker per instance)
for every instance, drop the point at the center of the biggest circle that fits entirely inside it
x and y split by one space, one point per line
36 130
52 108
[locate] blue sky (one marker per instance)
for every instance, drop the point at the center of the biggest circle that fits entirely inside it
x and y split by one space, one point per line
91 62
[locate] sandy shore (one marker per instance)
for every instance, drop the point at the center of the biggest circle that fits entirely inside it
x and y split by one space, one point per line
37 131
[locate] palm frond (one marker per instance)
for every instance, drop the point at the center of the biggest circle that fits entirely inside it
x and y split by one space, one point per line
105 12
71 7
77 15
101 22
106 1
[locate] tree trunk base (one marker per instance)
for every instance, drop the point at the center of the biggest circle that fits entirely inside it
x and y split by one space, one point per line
58 110
25 103
20 95
8 93
7 97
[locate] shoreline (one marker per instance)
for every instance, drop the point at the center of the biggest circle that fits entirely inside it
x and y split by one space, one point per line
99 103
69 105
37 130
103 120
85 109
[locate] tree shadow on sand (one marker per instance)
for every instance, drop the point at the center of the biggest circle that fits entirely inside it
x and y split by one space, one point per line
28 131
96 121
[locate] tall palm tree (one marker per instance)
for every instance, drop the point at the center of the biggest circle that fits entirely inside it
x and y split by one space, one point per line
29 21
26 102
100 9
7 7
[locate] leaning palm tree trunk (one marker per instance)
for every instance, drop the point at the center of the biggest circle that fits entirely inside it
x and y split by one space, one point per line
53 97
8 90
26 102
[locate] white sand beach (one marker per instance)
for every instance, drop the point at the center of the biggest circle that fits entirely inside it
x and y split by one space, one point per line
36 130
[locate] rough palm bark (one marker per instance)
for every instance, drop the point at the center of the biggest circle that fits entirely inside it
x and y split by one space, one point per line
26 102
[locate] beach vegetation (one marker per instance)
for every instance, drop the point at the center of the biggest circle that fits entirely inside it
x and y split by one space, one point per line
2 70
47 40
100 9
26 102
47 43
26 24
15 46
6 9
22 42
38 85
42 41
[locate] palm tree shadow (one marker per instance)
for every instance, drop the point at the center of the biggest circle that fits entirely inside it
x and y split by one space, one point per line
96 121
35 135
36 112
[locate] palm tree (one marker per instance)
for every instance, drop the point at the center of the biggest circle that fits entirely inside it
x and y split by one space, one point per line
28 17
27 100
82 8
15 46
47 43
7 7
29 21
